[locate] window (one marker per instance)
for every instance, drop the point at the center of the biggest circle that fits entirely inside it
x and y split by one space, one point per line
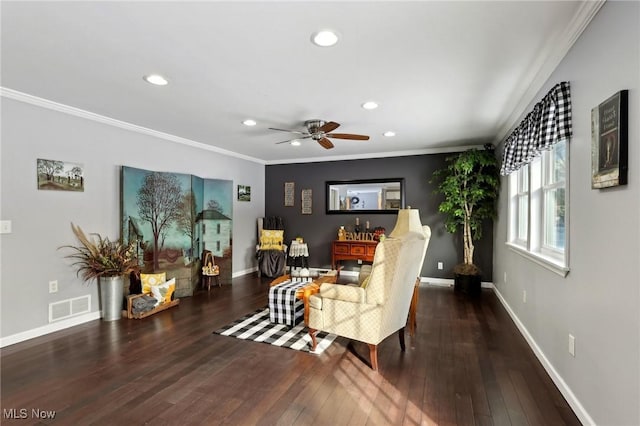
521 207
218 228
537 209
204 229
553 189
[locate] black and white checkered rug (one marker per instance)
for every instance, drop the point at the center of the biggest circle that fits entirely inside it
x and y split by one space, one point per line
257 327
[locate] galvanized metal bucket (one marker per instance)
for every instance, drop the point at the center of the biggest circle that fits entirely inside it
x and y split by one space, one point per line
111 297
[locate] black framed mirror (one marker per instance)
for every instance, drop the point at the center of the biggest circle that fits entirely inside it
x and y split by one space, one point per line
365 196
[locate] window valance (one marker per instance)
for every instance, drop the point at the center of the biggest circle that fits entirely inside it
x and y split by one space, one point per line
548 124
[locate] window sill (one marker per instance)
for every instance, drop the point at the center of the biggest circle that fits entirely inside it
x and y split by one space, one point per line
547 262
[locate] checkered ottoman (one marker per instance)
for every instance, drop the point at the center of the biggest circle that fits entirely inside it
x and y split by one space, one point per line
284 307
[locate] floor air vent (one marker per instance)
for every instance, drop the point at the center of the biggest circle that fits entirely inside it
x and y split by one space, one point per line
69 308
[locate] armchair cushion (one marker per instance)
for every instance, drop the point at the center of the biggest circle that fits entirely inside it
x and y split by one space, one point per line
315 301
365 271
342 292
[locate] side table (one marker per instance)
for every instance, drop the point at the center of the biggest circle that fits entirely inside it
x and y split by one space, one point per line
297 251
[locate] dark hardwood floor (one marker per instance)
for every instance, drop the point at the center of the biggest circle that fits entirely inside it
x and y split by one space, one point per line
467 365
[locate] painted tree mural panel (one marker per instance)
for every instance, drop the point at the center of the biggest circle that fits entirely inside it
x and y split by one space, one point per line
174 217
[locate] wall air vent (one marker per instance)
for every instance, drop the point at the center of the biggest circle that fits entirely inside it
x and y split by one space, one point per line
64 309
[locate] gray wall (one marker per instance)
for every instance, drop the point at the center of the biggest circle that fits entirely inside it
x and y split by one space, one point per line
599 300
319 228
41 219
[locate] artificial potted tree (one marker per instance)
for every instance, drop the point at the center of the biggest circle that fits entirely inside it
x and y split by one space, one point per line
470 183
107 262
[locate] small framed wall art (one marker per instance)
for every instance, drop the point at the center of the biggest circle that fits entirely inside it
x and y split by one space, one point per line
289 194
307 201
59 175
609 142
244 193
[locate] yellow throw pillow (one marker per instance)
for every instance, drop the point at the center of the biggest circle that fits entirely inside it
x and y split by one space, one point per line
163 292
149 280
271 239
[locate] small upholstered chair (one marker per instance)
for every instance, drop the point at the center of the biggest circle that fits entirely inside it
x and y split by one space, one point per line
373 312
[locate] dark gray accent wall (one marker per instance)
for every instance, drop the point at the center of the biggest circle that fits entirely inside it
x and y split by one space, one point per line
320 229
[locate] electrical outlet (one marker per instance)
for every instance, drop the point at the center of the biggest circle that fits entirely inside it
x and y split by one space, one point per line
359 261
572 345
524 296
440 265
53 286
5 226
505 277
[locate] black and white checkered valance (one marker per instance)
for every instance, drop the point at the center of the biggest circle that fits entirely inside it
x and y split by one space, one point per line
548 124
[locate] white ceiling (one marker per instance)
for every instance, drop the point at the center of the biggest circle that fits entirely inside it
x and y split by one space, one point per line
446 74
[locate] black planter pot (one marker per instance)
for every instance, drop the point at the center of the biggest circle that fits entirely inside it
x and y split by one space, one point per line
467 284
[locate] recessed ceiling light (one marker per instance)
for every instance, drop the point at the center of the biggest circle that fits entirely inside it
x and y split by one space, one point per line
389 134
370 105
249 122
156 79
324 38
295 143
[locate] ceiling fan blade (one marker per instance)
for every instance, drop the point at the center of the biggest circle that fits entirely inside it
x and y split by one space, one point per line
328 127
326 143
348 136
290 131
294 139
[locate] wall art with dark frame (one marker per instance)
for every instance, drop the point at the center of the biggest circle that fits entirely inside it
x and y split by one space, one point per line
609 142
244 193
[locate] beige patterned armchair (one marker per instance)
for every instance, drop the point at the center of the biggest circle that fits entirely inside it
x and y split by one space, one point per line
379 307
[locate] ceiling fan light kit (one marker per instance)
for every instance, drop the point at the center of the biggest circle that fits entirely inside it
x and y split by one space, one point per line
320 131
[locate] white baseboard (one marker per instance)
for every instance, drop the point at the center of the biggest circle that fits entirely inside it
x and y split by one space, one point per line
49 328
244 272
448 282
565 390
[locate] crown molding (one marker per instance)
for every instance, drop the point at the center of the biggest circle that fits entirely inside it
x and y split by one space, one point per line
547 63
77 112
374 155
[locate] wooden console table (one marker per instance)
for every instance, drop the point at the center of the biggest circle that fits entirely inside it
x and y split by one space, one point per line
352 250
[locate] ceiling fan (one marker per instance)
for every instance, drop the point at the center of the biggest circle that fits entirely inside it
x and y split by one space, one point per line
320 131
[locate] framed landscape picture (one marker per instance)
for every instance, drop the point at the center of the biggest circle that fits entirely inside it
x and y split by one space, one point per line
60 175
609 142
